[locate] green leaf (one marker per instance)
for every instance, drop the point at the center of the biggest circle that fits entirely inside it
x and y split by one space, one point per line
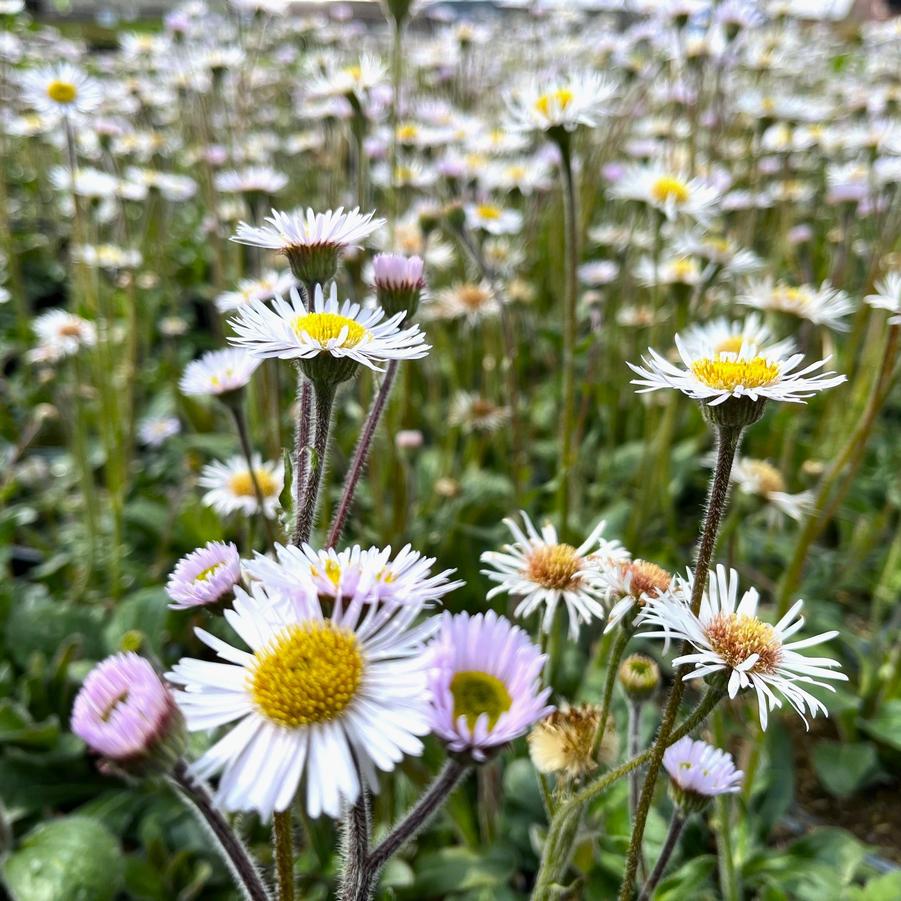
71 859
41 624
885 726
459 870
144 612
843 768
687 880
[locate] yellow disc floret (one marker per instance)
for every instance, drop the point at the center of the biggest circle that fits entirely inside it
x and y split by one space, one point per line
554 566
308 674
487 211
205 574
241 483
557 100
735 637
325 327
668 188
727 375
62 91
475 693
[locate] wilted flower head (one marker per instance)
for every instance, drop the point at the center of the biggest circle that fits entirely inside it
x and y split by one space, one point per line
563 742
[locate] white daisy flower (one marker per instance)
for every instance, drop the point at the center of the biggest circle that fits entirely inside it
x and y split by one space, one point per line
251 180
157 430
470 300
763 480
354 572
333 698
888 297
250 289
61 334
493 219
543 105
540 570
715 376
629 583
289 332
62 89
672 193
729 638
218 372
822 306
231 487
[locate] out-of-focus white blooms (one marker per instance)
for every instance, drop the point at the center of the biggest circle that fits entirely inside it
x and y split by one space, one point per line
61 334
672 193
888 297
231 487
823 306
265 287
157 430
546 104
493 219
62 89
218 372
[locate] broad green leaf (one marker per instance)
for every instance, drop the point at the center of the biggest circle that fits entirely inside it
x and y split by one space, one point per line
885 725
842 767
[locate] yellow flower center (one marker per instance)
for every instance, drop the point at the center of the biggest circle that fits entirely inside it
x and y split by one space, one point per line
325 327
684 269
727 375
62 91
205 574
554 100
110 708
407 133
768 477
241 483
354 72
487 211
475 693
668 188
308 674
792 298
554 566
648 579
735 637
717 245
563 741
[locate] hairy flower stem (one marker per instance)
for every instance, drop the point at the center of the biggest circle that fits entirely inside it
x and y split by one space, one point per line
677 823
555 856
622 639
324 397
234 403
418 816
728 439
633 740
357 828
283 846
239 861
361 453
567 406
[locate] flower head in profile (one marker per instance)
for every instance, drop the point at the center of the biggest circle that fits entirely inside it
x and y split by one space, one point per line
232 489
62 89
311 241
762 479
547 105
888 297
399 282
345 332
125 713
327 700
373 574
218 372
541 571
628 584
822 306
699 772
204 576
715 376
485 683
673 194
732 641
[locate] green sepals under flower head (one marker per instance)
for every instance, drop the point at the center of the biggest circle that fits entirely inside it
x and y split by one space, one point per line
396 299
639 676
735 412
455 216
399 10
687 801
313 264
326 372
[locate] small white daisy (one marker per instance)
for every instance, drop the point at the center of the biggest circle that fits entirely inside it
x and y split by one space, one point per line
729 638
267 286
543 104
493 219
157 430
231 487
540 570
714 377
888 296
334 699
289 332
763 480
672 193
252 180
62 89
822 306
204 576
61 334
218 372
629 583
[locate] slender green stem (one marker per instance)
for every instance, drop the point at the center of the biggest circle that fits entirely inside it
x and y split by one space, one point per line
677 823
283 846
633 740
235 405
728 876
555 857
324 396
622 639
567 406
728 439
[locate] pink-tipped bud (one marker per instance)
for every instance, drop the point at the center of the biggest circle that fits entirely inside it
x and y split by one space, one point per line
398 282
